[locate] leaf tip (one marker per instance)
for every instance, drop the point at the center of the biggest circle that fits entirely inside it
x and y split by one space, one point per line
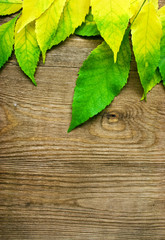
34 81
115 57
71 127
44 57
144 97
69 130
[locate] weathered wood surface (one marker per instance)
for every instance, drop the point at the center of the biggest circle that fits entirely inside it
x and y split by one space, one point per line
104 180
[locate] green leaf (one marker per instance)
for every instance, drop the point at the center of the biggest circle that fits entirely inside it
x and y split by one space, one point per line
8 7
88 28
162 45
112 17
99 81
146 36
6 40
153 82
47 24
73 15
27 50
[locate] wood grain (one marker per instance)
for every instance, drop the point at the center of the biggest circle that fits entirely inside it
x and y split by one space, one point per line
103 181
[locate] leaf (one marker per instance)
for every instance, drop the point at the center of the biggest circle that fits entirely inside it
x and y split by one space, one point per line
99 81
8 7
26 49
32 9
88 28
155 3
73 15
6 40
136 5
112 17
162 49
154 81
47 24
146 35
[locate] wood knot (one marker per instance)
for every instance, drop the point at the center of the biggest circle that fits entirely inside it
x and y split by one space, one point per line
112 117
112 121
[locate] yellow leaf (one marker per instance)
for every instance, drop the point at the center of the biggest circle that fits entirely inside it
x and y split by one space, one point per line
73 15
112 17
146 36
47 25
136 5
26 49
133 6
10 6
32 9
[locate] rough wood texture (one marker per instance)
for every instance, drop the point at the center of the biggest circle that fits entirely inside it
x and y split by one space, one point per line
104 180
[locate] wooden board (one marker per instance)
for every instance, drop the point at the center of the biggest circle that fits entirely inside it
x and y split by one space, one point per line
103 181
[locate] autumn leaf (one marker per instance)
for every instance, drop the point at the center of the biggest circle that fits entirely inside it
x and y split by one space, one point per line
73 15
136 6
88 28
146 35
26 49
155 3
162 49
32 9
47 24
6 40
8 7
112 17
99 81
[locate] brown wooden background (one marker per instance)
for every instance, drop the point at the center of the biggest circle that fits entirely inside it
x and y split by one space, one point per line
103 181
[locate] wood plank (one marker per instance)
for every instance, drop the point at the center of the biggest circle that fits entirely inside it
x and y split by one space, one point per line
104 180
